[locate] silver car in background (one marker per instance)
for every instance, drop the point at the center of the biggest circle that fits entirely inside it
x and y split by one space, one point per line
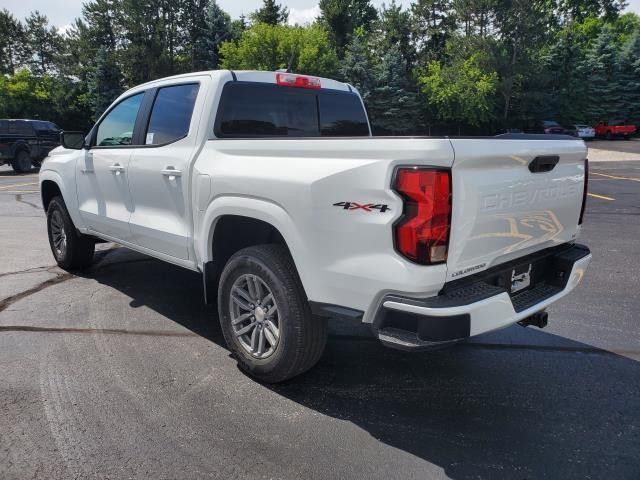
583 131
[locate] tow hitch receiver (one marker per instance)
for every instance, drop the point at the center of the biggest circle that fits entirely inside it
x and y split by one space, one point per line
540 320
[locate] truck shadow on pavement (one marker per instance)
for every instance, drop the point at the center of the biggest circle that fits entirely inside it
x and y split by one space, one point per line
11 173
539 407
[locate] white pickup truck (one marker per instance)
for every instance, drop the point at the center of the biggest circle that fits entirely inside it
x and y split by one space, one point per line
271 186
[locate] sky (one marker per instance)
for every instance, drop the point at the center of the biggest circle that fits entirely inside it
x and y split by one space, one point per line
62 12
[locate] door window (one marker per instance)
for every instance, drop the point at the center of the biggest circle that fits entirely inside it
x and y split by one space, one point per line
171 114
116 129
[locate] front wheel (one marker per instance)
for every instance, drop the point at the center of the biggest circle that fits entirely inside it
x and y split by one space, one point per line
265 316
72 251
22 162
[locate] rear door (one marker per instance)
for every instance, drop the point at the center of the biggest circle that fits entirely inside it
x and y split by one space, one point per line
511 198
159 171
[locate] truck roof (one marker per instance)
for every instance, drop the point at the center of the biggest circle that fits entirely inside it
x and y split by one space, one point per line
242 75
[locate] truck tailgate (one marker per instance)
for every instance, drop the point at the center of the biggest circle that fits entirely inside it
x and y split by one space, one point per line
503 210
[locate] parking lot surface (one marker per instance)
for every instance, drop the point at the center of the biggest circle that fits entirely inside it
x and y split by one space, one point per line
122 373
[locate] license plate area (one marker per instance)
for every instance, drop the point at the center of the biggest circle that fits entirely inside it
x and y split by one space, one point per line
520 278
517 278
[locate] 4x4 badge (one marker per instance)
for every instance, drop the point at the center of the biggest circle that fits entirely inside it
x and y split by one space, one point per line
367 207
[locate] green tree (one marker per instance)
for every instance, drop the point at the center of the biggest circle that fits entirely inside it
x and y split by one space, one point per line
522 24
12 43
104 82
562 78
433 23
605 89
474 17
461 92
239 26
394 105
630 75
271 13
195 33
394 30
357 66
343 17
219 30
579 10
23 92
268 47
100 16
42 43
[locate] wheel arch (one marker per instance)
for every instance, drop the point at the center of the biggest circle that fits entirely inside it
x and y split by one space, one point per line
233 223
52 184
20 146
48 190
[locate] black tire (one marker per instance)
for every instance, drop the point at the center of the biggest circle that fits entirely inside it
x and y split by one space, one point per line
627 137
76 250
302 336
22 162
608 136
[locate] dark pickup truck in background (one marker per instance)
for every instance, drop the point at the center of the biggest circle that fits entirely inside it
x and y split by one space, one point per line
25 143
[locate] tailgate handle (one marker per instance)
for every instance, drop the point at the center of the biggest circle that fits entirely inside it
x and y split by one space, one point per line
544 164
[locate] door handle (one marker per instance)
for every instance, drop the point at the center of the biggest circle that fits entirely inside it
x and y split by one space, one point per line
543 164
171 172
116 168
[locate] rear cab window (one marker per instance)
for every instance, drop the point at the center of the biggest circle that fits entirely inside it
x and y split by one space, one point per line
171 114
259 110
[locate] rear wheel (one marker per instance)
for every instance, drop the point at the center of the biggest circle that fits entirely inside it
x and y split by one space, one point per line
627 137
72 251
265 316
609 137
22 162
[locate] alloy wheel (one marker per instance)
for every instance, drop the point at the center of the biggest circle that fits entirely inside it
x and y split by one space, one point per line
254 316
58 234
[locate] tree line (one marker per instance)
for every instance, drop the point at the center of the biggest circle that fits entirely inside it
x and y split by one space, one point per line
439 66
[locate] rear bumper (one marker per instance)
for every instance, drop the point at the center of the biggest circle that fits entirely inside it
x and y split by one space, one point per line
479 303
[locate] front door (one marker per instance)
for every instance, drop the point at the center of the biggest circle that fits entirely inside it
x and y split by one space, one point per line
103 186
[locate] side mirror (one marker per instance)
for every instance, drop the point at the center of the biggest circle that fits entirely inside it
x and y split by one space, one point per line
72 140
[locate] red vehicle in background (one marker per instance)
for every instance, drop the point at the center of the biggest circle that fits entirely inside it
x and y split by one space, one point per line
615 128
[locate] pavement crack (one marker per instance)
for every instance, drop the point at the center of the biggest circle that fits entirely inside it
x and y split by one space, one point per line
102 331
20 200
46 268
59 278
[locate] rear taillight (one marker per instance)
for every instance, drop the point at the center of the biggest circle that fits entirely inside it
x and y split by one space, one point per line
300 81
584 192
422 233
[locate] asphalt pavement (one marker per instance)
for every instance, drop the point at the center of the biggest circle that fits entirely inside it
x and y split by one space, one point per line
122 373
